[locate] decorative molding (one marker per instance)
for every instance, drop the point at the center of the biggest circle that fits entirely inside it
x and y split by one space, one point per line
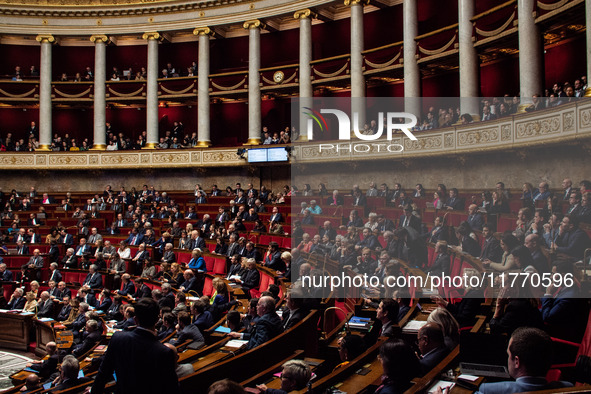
99 38
254 24
349 3
570 123
154 35
45 38
203 31
305 14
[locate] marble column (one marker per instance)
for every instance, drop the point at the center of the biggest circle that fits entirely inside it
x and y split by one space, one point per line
203 129
469 70
100 76
305 69
45 118
357 78
412 75
530 54
152 90
254 90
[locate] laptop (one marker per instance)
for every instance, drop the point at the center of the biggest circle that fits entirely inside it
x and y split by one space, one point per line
484 355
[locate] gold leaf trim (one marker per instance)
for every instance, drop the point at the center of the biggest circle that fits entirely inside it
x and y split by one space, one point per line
496 31
339 71
72 95
126 94
444 48
234 87
553 6
177 92
17 95
383 65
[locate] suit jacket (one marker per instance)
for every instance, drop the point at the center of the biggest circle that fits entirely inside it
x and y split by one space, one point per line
45 308
573 243
476 221
250 279
471 246
189 332
456 203
7 276
36 261
89 341
105 304
523 384
67 240
413 222
22 250
199 242
266 328
47 367
204 321
275 262
138 238
289 319
142 291
83 249
70 262
441 265
276 217
64 313
56 276
432 358
127 289
94 281
192 284
169 256
17 303
491 249
35 239
133 355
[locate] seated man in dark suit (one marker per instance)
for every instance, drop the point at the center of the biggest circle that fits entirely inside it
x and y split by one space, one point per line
187 331
70 369
467 244
442 263
571 239
128 318
266 327
491 248
17 301
273 259
90 337
529 360
251 278
454 203
94 279
47 366
45 306
127 287
5 274
191 283
203 319
294 310
475 219
386 318
70 260
431 345
142 290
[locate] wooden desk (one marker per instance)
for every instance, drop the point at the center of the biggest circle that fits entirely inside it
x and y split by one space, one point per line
44 333
15 330
356 383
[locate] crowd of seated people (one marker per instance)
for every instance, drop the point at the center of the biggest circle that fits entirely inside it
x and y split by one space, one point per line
366 243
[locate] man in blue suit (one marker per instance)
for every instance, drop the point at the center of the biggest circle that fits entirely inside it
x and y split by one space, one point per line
528 362
571 239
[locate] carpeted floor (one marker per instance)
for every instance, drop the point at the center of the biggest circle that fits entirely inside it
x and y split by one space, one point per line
9 364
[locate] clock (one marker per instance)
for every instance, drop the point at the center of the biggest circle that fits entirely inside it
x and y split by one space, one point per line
278 76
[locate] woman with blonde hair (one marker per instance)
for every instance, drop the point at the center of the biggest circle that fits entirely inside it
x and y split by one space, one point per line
197 262
35 288
75 304
31 304
449 325
176 275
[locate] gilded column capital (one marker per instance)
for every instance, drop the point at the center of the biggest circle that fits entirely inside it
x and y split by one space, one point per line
45 38
203 31
99 38
254 24
151 35
305 14
355 2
